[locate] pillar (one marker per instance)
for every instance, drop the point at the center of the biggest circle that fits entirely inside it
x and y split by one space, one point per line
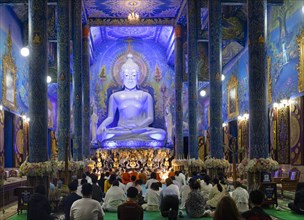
258 117
192 36
215 75
179 59
86 90
77 87
38 113
63 77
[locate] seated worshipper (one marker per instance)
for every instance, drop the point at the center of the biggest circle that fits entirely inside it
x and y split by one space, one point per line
241 197
175 182
151 180
70 199
298 204
195 203
115 196
39 206
184 192
171 173
226 210
216 193
97 193
256 198
108 183
126 177
130 210
169 199
206 186
135 110
132 183
152 198
142 176
86 208
79 188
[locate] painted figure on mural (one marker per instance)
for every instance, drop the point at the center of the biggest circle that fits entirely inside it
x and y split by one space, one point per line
50 115
135 109
54 147
284 54
169 125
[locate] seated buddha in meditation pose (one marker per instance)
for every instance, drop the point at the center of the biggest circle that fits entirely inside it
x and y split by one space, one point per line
135 109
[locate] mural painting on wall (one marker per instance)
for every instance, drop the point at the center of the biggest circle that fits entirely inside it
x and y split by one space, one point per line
233 99
284 27
9 77
156 78
273 133
296 131
19 141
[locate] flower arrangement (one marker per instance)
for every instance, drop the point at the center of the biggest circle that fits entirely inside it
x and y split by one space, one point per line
73 166
37 169
258 165
213 163
196 163
179 162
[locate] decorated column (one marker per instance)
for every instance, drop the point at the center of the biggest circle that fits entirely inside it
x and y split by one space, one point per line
258 120
86 90
179 149
38 146
215 73
77 87
192 36
63 77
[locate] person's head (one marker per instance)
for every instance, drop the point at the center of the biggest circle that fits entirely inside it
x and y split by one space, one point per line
169 181
73 186
176 173
94 179
132 193
40 189
153 175
83 176
194 185
226 209
207 179
94 170
155 186
83 181
107 174
133 178
130 73
86 190
112 178
172 177
115 183
138 182
256 197
194 173
216 182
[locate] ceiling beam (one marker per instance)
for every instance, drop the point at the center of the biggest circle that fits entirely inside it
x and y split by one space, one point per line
126 22
22 2
239 2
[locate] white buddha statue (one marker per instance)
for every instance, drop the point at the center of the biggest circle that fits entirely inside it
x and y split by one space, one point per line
135 108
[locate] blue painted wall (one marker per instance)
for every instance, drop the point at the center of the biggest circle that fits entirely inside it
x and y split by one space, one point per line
9 21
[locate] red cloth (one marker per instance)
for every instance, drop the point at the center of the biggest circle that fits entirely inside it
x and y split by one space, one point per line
126 177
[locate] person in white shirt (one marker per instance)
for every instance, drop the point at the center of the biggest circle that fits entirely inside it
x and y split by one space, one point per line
169 199
241 197
206 186
132 183
115 196
152 198
79 188
183 177
86 208
184 192
151 180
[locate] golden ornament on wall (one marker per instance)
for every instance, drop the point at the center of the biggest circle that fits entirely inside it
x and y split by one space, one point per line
300 67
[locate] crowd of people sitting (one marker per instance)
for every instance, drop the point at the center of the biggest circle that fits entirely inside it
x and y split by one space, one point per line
130 194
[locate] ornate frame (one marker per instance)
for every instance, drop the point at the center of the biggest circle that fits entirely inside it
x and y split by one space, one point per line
300 67
9 67
233 87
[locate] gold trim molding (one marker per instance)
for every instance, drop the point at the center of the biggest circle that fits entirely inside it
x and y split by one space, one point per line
300 67
9 73
233 98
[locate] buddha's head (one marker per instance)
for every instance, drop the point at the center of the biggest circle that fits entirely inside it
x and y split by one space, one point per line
130 73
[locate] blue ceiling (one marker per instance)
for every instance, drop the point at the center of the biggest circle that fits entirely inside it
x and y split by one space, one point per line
121 8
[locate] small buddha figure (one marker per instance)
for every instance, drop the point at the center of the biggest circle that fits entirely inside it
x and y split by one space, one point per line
135 108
